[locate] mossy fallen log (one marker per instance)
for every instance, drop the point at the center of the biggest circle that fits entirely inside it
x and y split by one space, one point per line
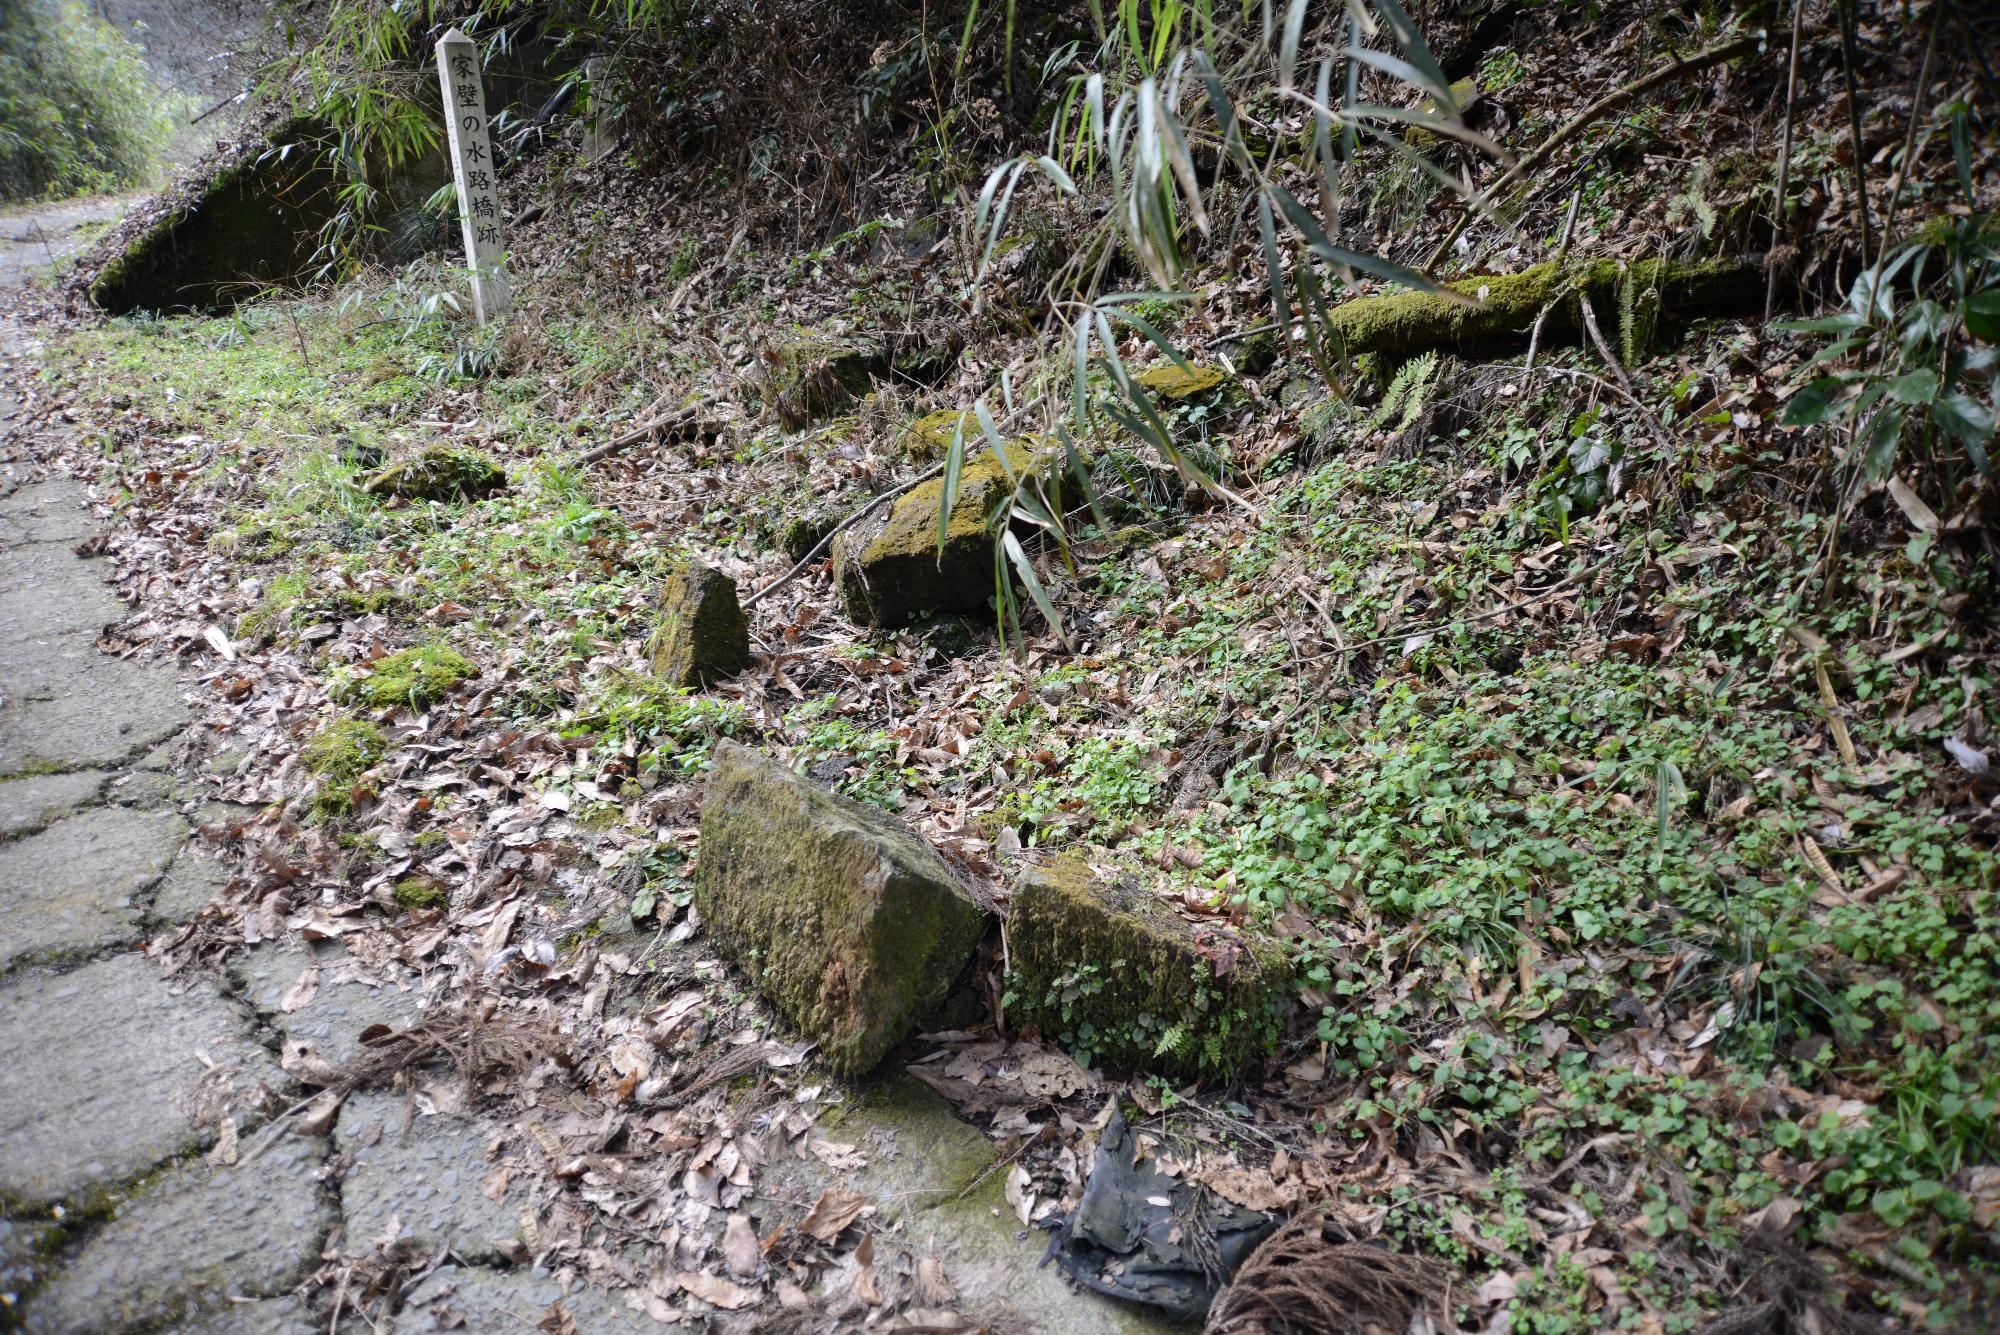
1505 306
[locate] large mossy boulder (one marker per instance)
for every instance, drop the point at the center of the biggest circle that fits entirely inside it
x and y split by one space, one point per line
703 636
253 223
1109 969
890 568
837 912
438 473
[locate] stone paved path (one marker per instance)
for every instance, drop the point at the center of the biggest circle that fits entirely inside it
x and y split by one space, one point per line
114 1215
118 1211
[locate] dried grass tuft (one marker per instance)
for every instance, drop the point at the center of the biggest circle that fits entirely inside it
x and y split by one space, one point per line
1303 1282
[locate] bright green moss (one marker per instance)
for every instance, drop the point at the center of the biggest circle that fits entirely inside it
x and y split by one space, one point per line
344 749
416 677
928 438
1173 383
419 892
892 571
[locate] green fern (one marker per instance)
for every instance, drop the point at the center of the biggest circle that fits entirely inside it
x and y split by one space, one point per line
1407 393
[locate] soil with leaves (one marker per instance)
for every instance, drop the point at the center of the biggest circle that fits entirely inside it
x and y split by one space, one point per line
1611 744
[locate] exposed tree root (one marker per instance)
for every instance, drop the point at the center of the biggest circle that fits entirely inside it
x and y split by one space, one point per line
1301 1282
1783 1293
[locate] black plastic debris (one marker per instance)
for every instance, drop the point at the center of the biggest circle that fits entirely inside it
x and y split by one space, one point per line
1139 1235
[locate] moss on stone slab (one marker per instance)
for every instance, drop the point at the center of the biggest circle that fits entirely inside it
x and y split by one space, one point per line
891 570
1179 385
438 473
703 636
837 912
808 380
417 677
928 439
1112 972
1503 307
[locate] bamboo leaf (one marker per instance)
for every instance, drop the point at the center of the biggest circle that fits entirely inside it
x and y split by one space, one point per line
1032 582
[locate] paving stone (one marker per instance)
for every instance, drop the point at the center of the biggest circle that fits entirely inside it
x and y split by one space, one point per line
148 789
47 591
34 803
472 1298
99 1074
194 878
190 1241
68 707
46 512
269 1316
75 885
332 1021
430 1176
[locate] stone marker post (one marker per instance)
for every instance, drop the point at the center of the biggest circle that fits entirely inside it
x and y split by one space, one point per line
472 168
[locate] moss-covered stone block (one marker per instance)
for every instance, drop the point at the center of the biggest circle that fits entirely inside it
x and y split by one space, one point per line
417 677
1504 307
1179 385
928 439
252 225
837 912
809 380
438 473
1107 968
891 569
703 636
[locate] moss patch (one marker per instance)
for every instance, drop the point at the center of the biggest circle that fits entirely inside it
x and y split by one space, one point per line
420 892
928 439
438 473
415 677
812 379
1178 385
344 749
1116 975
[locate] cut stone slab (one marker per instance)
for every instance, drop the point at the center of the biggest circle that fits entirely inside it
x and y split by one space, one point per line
46 512
191 1241
192 880
704 636
47 590
99 1074
472 1298
845 919
817 378
331 1022
428 1173
890 568
31 804
76 885
268 1316
78 708
1102 964
934 1177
